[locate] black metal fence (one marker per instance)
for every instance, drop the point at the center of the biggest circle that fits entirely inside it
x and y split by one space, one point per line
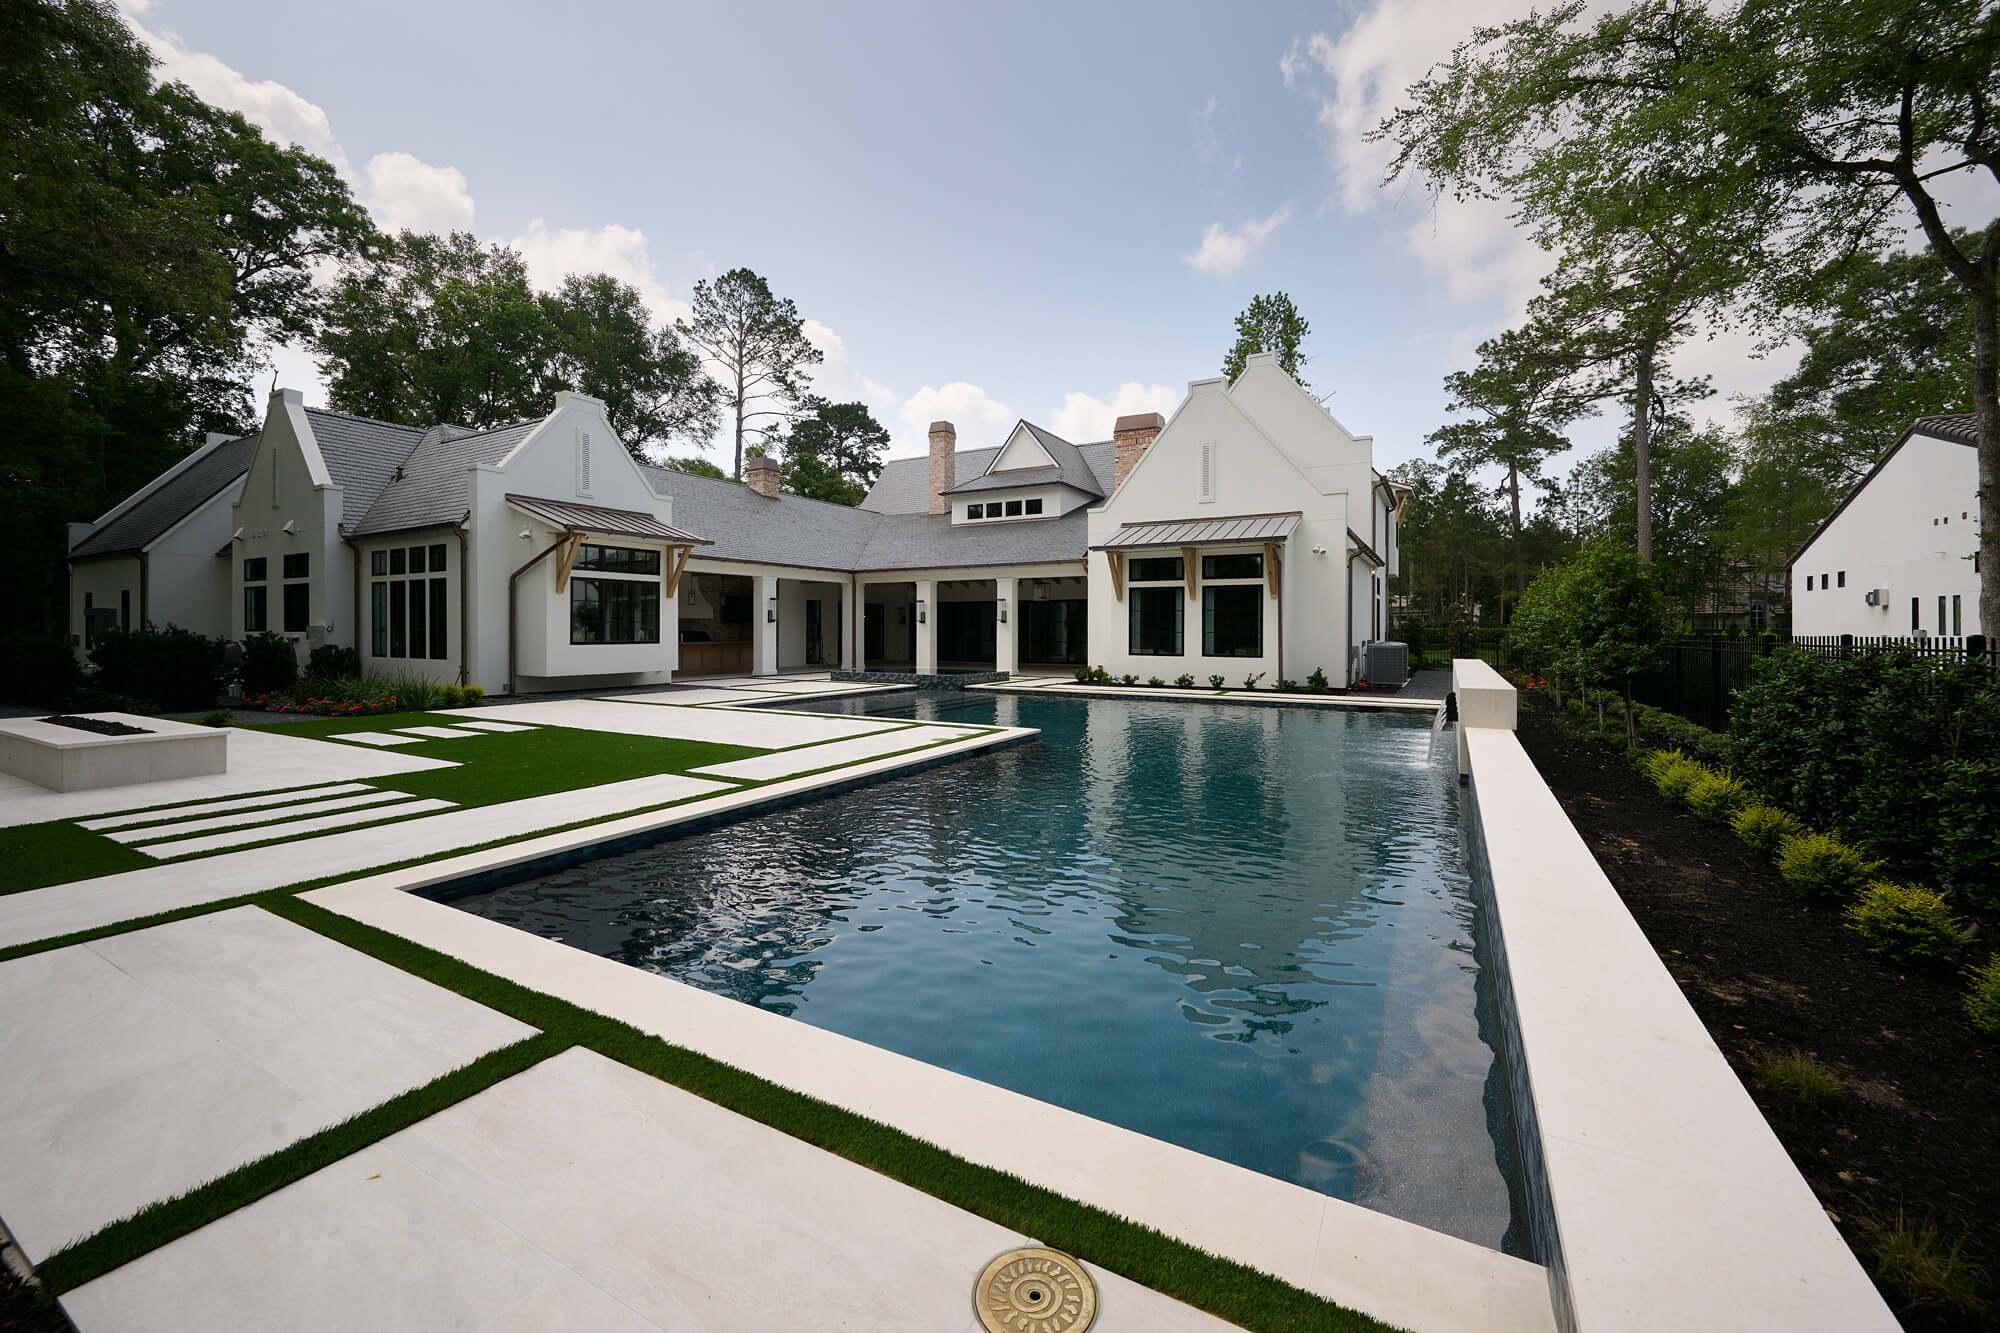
1702 674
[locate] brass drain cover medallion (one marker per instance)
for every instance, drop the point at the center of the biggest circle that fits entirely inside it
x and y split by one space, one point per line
1035 1291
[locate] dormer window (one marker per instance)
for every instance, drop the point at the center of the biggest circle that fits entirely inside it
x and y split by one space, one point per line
992 509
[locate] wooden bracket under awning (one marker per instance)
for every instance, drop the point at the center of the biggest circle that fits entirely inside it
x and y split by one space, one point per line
1274 564
566 560
1117 562
1189 568
677 561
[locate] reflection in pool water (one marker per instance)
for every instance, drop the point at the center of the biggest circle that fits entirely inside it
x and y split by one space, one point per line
1247 931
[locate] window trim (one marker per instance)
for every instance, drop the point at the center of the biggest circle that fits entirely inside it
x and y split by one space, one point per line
1133 617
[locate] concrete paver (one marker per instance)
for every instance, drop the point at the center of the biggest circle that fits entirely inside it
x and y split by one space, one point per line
784 763
142 1065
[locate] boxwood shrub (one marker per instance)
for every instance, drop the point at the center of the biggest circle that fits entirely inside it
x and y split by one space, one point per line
1764 828
173 668
1982 997
1906 922
1820 865
1717 796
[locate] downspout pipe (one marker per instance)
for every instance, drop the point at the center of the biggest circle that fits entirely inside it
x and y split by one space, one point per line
513 616
464 607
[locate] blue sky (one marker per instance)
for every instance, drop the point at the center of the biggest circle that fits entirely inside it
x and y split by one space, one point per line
1049 211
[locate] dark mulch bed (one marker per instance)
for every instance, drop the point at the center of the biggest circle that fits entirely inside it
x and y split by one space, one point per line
22 1311
1917 1127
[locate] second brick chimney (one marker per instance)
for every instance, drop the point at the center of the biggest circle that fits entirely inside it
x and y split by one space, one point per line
944 474
1130 439
762 475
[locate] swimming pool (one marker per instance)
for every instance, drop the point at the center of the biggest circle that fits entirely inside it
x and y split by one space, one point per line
1247 931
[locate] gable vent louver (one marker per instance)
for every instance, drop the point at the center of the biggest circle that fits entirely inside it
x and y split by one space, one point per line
583 462
1207 473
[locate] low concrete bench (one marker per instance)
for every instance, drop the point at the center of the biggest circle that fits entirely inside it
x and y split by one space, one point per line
62 758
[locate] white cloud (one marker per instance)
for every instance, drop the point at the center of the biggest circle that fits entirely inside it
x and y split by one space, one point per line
267 104
836 380
553 253
1223 250
406 193
1084 417
981 421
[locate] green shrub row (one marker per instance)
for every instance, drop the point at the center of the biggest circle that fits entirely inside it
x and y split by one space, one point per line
1906 923
1901 751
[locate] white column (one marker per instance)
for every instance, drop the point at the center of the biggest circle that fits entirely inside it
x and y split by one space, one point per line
924 614
764 627
1005 632
851 624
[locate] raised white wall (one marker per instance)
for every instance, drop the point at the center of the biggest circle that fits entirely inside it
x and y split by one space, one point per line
1276 451
104 579
1894 534
187 584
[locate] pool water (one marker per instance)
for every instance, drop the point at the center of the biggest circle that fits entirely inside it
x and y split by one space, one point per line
1247 931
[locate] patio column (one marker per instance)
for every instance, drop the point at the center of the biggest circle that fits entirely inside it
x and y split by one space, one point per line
1007 620
923 617
764 626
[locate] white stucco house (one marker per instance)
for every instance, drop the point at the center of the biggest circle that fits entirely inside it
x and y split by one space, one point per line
541 556
1899 557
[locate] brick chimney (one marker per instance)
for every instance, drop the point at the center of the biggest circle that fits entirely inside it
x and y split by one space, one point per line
762 474
1130 439
944 474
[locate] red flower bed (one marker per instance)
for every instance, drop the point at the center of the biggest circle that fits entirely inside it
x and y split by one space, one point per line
283 703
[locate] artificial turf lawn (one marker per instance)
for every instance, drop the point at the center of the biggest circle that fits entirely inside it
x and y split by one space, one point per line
1228 1289
34 856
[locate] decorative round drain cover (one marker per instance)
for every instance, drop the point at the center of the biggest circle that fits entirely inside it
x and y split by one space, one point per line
1035 1291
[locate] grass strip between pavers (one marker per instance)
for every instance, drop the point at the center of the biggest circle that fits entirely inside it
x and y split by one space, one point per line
1223 1287
156 1224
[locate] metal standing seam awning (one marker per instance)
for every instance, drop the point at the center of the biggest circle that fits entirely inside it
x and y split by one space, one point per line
1188 534
578 521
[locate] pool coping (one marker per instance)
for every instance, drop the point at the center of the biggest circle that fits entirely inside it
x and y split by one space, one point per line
1255 698
1658 1195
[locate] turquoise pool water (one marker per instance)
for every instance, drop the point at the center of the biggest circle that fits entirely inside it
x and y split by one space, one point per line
1244 930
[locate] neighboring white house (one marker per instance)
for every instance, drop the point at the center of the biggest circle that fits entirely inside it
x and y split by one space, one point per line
1899 556
540 556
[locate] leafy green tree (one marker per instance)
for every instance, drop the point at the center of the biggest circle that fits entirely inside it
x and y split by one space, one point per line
151 247
1517 405
1890 340
1452 547
438 329
833 452
695 467
1595 621
1269 324
653 387
1655 230
758 350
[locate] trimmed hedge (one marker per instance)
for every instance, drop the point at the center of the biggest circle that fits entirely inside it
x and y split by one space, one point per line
1900 750
173 668
1820 865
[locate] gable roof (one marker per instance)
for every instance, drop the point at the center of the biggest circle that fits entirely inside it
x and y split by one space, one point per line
933 541
432 491
361 455
1951 427
905 484
1070 468
187 490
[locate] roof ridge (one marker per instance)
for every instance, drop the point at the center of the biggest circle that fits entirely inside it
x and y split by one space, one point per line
373 421
792 495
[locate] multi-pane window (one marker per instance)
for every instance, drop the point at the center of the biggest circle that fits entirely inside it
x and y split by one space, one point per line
298 593
1232 620
1157 621
1004 509
256 597
621 608
614 611
408 611
1246 566
1156 569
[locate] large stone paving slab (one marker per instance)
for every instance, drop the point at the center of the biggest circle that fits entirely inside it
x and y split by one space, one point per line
583 1194
784 763
142 1065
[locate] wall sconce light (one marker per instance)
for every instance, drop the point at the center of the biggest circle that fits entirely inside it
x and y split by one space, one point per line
771 610
920 611
526 535
1003 610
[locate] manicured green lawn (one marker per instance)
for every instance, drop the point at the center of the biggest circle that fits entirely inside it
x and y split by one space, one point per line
33 856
